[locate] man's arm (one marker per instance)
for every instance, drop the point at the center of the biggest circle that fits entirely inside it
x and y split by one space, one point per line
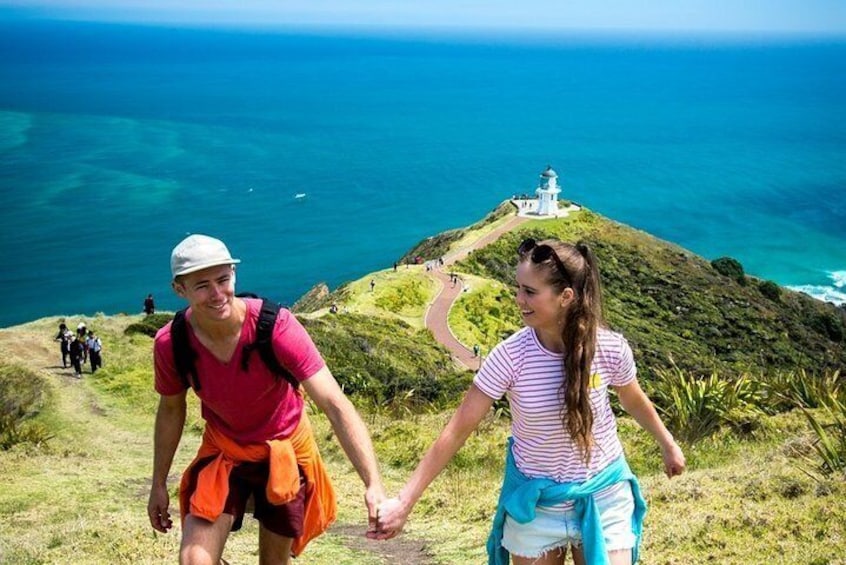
170 419
352 434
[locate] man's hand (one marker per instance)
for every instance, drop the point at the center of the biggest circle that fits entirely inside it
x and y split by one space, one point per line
157 509
373 497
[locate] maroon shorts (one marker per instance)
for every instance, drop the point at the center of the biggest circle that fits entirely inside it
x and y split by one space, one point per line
249 480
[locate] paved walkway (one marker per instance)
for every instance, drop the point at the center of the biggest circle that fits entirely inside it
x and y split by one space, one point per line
438 311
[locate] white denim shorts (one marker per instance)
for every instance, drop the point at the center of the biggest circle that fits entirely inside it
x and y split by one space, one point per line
553 529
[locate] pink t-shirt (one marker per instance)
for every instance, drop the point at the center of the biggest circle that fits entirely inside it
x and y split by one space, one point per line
250 407
531 376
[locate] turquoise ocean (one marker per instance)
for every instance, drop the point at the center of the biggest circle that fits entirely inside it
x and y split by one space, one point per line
117 141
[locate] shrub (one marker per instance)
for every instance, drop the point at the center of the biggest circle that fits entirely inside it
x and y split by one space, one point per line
695 408
149 325
22 393
793 389
770 289
379 361
830 442
828 324
729 267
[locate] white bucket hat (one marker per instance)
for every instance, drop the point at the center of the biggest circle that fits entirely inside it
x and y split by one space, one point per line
197 252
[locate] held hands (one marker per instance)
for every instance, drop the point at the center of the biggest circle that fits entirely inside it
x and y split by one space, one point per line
157 509
373 498
674 463
393 514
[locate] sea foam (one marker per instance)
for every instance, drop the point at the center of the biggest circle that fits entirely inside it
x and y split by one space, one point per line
835 293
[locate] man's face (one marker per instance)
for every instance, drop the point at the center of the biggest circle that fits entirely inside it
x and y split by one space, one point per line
210 292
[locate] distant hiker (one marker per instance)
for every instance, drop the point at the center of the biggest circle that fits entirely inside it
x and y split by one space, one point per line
77 352
395 266
476 349
95 348
81 334
64 338
248 375
372 284
567 483
149 305
333 309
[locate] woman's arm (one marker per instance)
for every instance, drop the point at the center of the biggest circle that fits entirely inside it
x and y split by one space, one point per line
637 404
394 512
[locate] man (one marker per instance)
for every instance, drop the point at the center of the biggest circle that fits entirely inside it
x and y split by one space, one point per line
257 435
64 338
149 305
77 352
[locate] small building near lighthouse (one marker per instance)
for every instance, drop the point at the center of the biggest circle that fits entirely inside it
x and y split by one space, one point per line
545 205
547 192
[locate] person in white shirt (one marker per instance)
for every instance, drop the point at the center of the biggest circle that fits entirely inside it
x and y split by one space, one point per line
567 484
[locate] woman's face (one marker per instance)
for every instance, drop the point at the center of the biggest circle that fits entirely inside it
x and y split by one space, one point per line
541 306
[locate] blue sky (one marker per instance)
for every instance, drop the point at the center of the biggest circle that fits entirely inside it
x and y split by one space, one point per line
826 17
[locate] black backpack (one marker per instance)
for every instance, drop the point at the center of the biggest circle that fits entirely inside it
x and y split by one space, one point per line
184 355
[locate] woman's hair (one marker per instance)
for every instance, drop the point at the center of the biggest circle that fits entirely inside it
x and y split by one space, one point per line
573 266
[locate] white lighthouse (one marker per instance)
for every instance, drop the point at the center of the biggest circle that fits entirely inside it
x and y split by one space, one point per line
548 193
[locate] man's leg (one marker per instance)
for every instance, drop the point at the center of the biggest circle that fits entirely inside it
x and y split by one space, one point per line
273 548
203 541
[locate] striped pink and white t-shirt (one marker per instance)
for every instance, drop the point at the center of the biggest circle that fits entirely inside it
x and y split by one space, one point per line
531 377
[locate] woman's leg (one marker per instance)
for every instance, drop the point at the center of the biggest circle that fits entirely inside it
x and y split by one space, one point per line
618 557
552 557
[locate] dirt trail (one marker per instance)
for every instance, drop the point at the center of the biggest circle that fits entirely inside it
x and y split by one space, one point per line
438 312
401 550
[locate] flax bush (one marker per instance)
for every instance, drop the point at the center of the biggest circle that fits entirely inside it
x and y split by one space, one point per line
830 431
800 389
694 408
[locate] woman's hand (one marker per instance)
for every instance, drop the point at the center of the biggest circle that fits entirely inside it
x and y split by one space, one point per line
674 463
392 516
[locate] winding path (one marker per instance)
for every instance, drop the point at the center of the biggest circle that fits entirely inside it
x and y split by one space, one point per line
437 313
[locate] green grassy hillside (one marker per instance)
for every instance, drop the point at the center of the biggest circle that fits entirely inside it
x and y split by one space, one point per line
672 304
766 456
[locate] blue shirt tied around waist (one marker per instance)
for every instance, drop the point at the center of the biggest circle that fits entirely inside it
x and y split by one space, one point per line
520 496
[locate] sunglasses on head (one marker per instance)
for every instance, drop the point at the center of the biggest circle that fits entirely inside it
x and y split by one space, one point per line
540 253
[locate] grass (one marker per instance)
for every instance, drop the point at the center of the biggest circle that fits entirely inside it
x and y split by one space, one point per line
743 500
402 294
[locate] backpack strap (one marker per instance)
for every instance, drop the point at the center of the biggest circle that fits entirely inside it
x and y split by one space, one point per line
184 355
264 343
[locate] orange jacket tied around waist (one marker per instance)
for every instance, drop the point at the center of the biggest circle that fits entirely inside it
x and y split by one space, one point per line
283 484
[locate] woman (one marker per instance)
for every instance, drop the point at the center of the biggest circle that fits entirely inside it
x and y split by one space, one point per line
567 483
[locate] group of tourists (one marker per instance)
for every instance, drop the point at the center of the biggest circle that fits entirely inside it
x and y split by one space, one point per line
79 348
567 486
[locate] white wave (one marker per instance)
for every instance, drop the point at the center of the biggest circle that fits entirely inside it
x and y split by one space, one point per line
835 293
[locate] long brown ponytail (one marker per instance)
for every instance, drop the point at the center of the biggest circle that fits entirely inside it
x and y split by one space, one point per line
576 269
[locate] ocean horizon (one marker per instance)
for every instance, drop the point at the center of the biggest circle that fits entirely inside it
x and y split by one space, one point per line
321 157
